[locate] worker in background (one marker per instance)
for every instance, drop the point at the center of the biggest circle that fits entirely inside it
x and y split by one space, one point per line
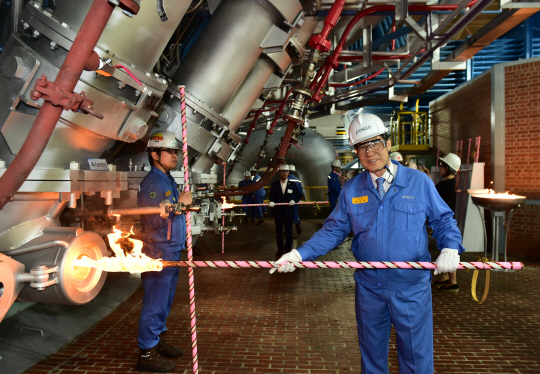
260 194
284 191
386 208
293 177
396 156
164 239
412 165
334 183
247 198
448 167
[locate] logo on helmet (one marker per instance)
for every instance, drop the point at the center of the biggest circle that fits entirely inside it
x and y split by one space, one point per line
363 129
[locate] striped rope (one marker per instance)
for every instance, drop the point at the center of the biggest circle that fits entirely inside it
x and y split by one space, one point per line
299 203
188 229
343 265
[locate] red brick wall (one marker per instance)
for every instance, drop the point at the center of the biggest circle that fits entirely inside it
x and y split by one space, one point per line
464 114
522 126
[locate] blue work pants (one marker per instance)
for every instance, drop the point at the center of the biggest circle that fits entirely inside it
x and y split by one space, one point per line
159 289
411 314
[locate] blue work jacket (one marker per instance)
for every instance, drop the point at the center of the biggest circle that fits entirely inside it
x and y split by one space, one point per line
296 180
248 198
391 229
260 194
334 185
156 187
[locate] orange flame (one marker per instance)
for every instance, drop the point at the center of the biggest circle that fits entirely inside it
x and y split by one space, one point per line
499 195
226 205
134 262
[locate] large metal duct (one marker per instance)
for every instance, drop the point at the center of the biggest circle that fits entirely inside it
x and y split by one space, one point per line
312 162
268 73
225 52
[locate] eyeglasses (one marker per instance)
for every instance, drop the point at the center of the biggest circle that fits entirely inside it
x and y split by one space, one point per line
374 145
442 164
171 151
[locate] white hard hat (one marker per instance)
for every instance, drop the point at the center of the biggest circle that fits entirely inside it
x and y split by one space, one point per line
396 156
163 139
284 168
364 127
336 163
292 168
247 174
253 168
452 160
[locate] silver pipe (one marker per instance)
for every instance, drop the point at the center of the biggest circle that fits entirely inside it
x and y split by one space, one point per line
37 247
56 210
134 211
16 10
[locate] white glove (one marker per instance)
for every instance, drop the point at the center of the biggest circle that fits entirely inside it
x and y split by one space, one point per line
284 262
271 204
447 262
292 202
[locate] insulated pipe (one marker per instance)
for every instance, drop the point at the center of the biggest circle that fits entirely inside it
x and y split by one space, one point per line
48 116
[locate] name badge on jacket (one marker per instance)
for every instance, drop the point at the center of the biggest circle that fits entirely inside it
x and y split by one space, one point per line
289 191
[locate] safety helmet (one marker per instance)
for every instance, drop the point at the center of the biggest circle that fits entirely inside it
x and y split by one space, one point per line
452 160
292 168
396 156
284 168
336 163
365 126
253 168
247 174
163 139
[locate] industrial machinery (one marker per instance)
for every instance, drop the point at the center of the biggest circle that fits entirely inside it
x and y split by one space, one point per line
85 82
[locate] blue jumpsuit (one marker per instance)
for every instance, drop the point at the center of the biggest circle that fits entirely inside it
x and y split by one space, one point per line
249 198
296 180
159 286
390 230
334 188
259 198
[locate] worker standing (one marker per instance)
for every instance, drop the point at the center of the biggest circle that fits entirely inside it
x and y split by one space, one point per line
448 167
386 208
284 191
334 183
164 239
247 198
293 177
259 195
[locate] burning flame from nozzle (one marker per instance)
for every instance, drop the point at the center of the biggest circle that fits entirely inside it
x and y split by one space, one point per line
134 262
226 205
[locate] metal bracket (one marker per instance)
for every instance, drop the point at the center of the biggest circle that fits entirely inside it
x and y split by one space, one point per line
416 28
366 47
402 13
40 277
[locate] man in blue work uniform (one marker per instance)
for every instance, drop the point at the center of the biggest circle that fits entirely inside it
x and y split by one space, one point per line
293 177
260 194
247 198
163 238
386 208
334 183
284 191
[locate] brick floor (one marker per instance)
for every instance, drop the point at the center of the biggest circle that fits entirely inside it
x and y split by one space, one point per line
249 321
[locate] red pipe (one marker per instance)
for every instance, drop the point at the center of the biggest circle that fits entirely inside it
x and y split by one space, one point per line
48 116
332 61
268 175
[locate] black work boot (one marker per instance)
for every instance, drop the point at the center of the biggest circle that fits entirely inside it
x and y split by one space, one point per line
167 350
151 360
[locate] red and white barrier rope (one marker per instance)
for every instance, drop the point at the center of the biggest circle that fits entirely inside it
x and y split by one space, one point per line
188 236
343 265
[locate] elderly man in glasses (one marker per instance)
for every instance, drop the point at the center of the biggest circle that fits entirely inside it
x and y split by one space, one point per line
386 207
163 238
